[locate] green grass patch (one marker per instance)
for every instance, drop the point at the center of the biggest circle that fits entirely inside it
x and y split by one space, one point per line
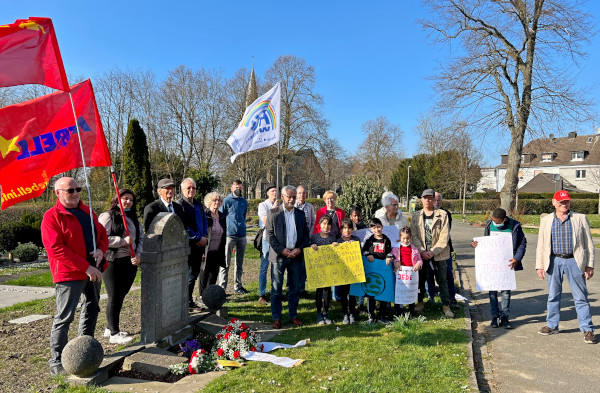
425 354
43 279
30 267
33 307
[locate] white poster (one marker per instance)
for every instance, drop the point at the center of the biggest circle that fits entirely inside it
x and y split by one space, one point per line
407 285
492 256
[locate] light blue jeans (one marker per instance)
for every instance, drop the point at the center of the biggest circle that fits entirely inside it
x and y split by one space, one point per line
264 268
554 275
505 299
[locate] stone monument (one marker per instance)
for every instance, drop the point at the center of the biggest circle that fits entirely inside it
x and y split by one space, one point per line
164 278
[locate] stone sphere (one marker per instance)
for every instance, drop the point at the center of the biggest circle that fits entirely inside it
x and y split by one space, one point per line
214 297
82 356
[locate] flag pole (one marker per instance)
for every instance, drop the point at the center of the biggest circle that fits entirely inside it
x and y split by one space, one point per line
277 177
114 178
87 183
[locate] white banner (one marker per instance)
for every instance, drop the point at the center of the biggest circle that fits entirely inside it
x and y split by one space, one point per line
492 270
407 285
260 125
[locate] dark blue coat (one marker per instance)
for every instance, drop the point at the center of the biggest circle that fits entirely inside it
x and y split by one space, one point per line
518 238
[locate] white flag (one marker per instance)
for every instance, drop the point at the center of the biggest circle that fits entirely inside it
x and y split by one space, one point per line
260 125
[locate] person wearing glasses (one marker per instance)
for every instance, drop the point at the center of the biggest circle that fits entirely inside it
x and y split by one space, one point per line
390 214
197 228
164 204
76 265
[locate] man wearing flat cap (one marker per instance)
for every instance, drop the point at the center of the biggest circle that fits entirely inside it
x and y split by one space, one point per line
565 247
165 203
430 230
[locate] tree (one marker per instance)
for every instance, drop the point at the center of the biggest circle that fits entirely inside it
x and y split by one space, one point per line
302 122
335 162
515 69
206 181
422 172
362 191
136 165
381 149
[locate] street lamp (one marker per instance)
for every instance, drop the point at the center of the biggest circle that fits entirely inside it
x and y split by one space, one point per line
407 183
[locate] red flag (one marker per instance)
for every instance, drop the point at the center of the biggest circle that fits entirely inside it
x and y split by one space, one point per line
29 54
38 139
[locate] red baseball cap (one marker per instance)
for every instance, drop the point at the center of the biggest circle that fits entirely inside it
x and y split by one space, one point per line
561 196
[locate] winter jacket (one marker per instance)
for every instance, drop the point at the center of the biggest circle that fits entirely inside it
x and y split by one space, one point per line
63 239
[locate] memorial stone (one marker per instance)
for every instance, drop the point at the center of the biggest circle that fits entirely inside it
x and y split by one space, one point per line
164 278
82 356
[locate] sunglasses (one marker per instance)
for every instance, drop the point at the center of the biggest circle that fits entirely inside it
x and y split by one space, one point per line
70 190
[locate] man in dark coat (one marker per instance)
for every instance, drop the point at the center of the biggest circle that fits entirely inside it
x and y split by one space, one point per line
164 204
288 235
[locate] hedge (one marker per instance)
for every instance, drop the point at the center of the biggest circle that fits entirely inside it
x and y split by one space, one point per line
533 195
530 206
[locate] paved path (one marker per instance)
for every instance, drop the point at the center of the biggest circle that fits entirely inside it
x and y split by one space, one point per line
13 294
521 360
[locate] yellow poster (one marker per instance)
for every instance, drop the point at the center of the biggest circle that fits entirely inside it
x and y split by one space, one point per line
331 265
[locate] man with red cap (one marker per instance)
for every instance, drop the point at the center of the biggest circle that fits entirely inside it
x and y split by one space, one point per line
565 247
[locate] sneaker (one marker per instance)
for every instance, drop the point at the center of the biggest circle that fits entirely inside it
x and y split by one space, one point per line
120 338
262 301
242 291
346 320
420 307
57 370
352 319
327 320
546 331
494 322
447 312
589 337
372 321
384 320
505 323
454 305
107 332
320 320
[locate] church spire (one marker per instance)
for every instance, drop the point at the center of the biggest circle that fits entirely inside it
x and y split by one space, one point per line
251 90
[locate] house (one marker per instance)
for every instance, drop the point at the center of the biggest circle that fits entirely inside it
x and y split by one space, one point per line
574 158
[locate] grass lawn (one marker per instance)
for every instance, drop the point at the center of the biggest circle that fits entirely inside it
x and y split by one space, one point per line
419 355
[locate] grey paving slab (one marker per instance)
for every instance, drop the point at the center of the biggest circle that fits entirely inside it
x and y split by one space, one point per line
521 359
14 294
193 383
29 318
130 385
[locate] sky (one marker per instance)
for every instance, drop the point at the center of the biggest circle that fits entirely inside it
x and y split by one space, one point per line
371 59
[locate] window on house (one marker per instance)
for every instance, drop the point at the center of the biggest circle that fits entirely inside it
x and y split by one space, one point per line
576 155
580 174
590 139
547 157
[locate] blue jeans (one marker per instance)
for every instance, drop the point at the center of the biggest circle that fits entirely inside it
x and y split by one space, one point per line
67 297
277 271
264 267
505 299
554 275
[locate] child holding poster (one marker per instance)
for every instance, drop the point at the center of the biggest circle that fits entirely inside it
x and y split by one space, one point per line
323 238
348 301
377 246
500 223
406 255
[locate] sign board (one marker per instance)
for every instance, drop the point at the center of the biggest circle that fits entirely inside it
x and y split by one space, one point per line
330 266
492 255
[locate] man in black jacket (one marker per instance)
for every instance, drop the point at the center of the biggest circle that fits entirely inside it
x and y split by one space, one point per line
288 235
166 191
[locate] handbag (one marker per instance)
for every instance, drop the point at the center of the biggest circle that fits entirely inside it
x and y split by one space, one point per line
258 239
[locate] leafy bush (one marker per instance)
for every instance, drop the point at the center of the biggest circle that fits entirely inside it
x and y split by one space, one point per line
27 252
13 233
362 191
28 218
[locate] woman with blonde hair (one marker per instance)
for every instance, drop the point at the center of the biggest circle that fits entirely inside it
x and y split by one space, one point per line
336 214
214 252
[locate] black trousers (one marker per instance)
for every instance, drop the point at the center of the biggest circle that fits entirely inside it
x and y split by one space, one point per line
118 279
210 273
348 301
194 263
323 299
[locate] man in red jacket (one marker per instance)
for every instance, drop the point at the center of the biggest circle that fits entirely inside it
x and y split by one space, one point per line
74 263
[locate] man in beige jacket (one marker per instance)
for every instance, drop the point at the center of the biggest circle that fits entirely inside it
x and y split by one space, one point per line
565 247
430 234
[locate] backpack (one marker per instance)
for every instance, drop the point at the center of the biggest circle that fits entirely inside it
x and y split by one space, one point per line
258 239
